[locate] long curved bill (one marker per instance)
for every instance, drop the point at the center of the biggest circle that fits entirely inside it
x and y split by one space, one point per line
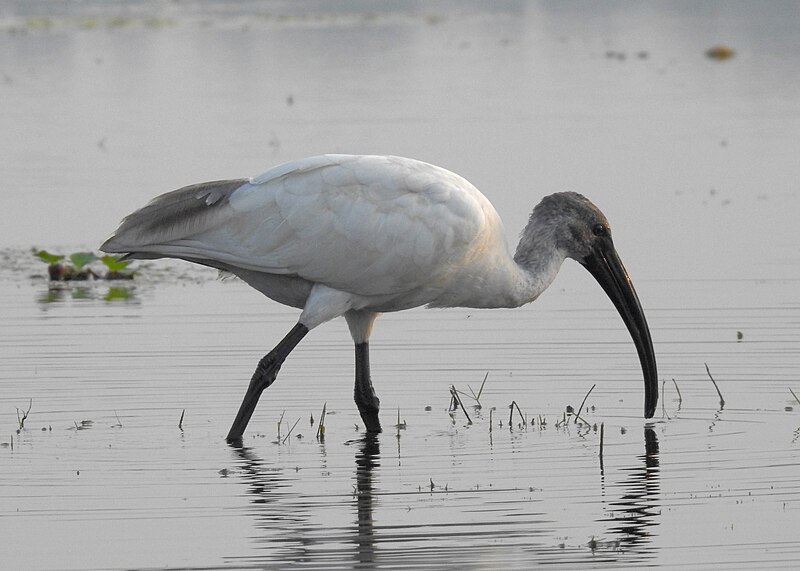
606 267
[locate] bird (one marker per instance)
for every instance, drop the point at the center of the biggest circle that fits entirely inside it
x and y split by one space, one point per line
360 235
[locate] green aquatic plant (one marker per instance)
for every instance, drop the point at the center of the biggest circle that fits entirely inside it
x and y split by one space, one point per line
113 263
47 257
116 268
56 270
76 267
80 259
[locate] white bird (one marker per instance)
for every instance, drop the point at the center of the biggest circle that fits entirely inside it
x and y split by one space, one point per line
356 236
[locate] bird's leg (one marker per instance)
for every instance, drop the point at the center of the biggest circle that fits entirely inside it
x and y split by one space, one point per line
365 397
264 376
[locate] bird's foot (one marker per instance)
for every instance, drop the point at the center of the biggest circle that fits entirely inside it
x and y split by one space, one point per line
372 423
368 406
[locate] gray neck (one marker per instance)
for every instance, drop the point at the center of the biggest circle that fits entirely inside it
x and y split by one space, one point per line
538 254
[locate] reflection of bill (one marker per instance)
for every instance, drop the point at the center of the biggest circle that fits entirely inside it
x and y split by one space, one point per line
634 514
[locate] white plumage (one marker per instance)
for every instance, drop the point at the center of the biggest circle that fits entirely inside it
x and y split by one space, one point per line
359 235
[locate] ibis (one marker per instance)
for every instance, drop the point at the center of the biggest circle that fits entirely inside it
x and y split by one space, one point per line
360 235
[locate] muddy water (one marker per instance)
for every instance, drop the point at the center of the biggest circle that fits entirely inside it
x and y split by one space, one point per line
694 161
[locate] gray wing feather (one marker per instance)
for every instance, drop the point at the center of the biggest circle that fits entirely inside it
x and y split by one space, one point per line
174 215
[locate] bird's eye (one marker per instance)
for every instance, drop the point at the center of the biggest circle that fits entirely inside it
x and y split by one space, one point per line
600 230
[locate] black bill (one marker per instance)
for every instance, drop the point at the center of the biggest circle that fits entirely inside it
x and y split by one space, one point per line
606 267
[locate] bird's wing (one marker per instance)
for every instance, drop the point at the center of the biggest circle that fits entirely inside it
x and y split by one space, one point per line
368 225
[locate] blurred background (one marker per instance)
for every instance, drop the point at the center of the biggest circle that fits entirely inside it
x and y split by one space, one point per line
691 153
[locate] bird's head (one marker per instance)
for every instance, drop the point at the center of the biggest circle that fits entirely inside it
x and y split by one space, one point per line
579 230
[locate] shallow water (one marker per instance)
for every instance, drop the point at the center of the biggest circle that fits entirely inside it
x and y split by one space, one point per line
693 160
700 484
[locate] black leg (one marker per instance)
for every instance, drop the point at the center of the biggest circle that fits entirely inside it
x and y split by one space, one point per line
366 400
264 376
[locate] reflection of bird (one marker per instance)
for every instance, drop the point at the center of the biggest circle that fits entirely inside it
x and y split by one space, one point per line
360 235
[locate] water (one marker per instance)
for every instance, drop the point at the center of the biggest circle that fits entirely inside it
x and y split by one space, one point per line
693 160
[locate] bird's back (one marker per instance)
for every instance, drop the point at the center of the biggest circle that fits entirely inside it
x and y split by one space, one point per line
368 225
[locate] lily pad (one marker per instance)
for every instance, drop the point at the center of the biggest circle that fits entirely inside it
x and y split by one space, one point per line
113 263
80 259
47 257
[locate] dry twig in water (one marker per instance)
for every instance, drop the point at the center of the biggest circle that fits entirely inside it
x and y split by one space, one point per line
602 430
457 400
583 402
280 420
321 426
480 390
721 400
21 420
511 415
680 399
290 431
400 425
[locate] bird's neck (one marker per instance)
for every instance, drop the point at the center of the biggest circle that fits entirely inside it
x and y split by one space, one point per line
537 257
536 275
506 282
491 278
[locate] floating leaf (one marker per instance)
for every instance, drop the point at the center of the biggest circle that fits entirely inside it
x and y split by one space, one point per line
80 259
47 257
113 263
